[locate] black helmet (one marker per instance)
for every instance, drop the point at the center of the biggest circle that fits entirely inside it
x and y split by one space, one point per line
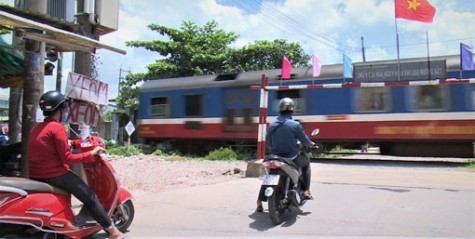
52 101
286 104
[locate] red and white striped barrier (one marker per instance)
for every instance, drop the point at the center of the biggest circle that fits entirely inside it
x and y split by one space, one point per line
261 136
366 84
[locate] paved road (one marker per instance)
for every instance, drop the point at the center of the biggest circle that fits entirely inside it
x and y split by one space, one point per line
351 200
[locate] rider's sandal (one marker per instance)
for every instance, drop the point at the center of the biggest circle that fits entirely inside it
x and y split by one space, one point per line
308 197
123 237
259 208
305 199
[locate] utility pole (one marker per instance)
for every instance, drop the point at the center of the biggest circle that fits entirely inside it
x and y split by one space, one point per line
83 62
33 85
59 71
362 49
121 78
117 133
15 99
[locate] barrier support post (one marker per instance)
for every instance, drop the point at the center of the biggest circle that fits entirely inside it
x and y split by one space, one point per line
261 136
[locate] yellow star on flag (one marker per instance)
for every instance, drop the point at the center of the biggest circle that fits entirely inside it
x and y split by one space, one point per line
415 10
413 4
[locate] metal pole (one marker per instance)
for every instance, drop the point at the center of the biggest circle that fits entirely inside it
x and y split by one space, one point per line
428 56
362 49
398 57
397 46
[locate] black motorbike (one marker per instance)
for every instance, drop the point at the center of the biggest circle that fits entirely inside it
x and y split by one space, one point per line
281 185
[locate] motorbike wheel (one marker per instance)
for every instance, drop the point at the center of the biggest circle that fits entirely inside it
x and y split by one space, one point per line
123 222
276 207
12 231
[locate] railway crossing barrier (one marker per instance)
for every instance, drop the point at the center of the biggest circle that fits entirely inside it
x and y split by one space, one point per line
265 87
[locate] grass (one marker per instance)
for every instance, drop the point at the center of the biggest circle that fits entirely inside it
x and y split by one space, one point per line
165 151
335 153
471 165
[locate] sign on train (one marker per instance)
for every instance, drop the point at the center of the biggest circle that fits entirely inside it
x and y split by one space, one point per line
85 88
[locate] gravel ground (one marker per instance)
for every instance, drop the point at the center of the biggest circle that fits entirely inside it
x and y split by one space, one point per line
155 173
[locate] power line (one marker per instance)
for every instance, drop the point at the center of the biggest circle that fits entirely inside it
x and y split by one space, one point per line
294 23
121 78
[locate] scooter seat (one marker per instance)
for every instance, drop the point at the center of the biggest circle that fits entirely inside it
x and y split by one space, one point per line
30 185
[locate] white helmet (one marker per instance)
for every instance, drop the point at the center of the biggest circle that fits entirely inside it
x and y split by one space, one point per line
286 104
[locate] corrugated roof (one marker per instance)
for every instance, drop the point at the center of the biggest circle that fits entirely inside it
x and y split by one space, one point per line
63 40
11 66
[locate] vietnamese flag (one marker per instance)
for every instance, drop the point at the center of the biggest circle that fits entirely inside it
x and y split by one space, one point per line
286 68
415 10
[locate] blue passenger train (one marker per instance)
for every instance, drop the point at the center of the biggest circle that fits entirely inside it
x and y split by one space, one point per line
400 115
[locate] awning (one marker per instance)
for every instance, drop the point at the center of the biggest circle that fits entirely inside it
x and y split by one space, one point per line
11 66
63 40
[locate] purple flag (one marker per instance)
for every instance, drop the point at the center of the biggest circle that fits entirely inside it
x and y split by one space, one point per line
466 58
316 65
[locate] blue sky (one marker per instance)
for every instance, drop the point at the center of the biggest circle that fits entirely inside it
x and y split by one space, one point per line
327 28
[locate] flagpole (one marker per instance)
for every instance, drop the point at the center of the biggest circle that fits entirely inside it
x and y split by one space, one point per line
397 45
461 68
344 79
428 56
313 65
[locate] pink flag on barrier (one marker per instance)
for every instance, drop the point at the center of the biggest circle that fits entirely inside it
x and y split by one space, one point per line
286 68
316 65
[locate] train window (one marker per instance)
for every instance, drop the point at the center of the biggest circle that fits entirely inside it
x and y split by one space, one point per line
248 114
159 106
295 95
372 99
429 97
230 115
193 105
226 77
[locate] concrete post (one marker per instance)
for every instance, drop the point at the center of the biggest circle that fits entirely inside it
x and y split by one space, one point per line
33 86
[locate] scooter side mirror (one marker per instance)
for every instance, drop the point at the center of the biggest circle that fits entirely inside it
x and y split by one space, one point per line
315 131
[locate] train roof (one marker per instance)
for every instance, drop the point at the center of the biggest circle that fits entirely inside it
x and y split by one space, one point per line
334 71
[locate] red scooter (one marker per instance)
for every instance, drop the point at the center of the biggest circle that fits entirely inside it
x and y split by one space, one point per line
33 209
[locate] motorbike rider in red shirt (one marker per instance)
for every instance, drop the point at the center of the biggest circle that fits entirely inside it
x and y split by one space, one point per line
49 158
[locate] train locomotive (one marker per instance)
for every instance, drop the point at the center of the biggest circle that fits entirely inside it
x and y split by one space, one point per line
402 117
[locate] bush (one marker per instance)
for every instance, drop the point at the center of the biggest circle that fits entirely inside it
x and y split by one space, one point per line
159 152
222 154
125 150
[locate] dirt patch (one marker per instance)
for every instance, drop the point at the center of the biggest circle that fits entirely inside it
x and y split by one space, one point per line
154 173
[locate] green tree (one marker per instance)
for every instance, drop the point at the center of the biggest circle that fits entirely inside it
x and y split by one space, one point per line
108 116
265 55
4 30
192 50
200 50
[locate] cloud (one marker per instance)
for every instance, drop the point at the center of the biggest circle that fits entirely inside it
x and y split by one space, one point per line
327 28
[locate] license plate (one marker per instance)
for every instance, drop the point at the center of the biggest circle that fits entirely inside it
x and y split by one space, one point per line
270 179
